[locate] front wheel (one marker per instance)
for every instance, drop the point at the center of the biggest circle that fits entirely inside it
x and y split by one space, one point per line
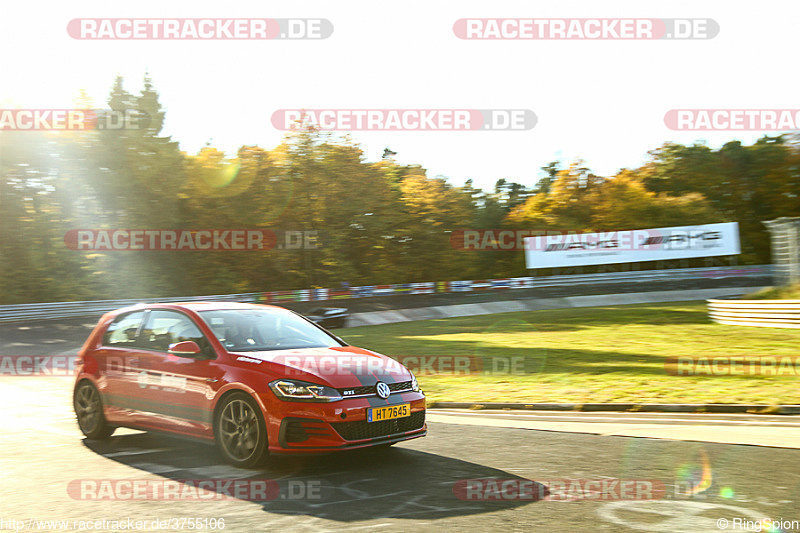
240 431
89 411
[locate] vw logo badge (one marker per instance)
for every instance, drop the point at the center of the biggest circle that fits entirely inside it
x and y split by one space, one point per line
383 390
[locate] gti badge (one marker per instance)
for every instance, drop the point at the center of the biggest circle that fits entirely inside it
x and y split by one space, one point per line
382 389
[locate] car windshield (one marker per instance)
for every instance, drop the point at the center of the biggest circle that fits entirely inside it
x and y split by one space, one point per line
249 330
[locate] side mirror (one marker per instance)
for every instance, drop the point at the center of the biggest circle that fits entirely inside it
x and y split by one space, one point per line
184 348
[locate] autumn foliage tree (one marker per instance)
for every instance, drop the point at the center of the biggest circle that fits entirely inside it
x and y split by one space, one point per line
377 221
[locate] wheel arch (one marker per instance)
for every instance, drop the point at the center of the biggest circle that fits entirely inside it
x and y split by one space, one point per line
229 391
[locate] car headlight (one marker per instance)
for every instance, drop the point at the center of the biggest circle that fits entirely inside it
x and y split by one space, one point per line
414 384
302 391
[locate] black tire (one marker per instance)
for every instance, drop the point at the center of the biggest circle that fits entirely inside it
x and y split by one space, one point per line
88 406
240 431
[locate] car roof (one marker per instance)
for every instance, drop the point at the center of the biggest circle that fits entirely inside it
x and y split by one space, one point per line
201 306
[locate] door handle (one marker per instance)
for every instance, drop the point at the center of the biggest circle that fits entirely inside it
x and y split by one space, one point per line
212 380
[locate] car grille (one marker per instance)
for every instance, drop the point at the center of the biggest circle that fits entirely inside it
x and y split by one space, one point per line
301 429
369 430
370 389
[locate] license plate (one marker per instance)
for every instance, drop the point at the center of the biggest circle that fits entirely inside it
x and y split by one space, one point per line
377 414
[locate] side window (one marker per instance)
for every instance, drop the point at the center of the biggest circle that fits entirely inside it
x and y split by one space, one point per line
122 331
168 327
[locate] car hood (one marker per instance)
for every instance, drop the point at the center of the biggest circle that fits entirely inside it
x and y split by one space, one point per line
339 367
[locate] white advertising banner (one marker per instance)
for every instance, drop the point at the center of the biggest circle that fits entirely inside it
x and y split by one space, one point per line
562 249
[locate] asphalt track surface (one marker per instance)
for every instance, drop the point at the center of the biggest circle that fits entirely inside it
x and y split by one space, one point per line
407 487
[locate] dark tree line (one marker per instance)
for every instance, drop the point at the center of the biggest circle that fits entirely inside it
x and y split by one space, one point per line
378 222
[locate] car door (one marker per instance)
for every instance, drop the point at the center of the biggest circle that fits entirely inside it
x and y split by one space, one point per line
176 391
117 359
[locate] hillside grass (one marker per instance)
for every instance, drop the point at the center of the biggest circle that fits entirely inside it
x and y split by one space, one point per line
594 354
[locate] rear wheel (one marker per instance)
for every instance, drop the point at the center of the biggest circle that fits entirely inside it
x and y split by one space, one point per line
240 431
89 410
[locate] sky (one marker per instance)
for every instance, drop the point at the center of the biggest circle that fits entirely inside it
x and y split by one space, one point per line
600 101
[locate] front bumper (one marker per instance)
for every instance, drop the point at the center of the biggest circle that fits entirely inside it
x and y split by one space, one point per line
295 427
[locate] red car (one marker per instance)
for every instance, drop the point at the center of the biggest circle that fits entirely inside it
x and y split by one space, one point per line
257 379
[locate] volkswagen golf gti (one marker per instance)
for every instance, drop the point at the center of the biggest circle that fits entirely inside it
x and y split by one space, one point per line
255 379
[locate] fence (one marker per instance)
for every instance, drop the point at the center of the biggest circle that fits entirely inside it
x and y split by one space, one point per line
95 307
642 276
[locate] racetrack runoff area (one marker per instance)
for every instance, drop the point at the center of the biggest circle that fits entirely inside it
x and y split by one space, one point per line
611 353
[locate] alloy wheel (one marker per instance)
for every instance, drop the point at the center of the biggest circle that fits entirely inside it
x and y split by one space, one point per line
239 431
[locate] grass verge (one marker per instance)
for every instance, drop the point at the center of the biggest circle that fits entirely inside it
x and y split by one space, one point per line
791 292
594 354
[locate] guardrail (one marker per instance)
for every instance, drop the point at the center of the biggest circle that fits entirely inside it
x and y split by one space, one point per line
528 282
95 307
761 313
